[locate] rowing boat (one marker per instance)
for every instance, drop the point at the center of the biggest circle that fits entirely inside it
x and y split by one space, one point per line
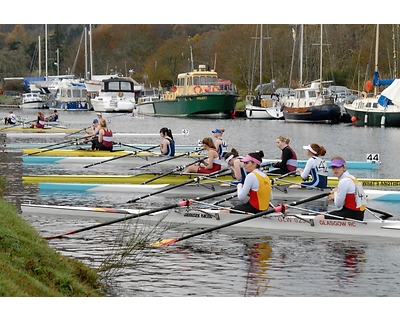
349 164
122 179
117 146
52 130
291 221
198 189
96 153
77 133
179 178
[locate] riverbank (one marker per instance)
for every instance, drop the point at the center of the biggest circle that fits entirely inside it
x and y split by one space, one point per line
30 268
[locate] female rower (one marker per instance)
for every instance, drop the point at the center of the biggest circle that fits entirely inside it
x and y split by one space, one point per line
214 160
315 166
288 161
167 146
220 144
257 186
232 158
105 139
346 196
39 123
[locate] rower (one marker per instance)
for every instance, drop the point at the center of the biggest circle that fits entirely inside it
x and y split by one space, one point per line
167 146
220 144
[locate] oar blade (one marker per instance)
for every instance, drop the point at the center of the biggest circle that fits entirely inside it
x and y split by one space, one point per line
163 242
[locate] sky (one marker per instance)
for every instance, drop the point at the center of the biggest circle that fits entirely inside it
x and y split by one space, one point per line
199 12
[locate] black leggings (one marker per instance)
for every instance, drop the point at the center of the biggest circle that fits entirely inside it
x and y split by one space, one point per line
347 213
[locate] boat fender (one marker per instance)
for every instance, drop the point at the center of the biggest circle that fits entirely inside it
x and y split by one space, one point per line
120 94
263 103
197 89
363 94
215 89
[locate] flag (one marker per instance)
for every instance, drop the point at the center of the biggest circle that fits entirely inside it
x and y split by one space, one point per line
294 35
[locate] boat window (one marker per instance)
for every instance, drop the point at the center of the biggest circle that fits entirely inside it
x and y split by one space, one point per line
196 81
375 105
312 94
302 94
214 80
190 80
76 93
368 105
203 80
113 86
125 86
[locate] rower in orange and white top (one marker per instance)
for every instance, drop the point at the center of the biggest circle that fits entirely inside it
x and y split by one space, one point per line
257 186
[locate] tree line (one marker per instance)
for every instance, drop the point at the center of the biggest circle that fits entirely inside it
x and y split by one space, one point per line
155 54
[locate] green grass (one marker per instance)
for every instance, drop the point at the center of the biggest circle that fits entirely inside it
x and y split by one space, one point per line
30 268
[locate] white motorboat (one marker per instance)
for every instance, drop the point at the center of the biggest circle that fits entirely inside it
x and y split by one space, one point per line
266 106
33 100
117 94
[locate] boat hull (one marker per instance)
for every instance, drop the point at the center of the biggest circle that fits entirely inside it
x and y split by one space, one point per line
202 189
254 112
327 113
374 118
181 178
212 103
276 222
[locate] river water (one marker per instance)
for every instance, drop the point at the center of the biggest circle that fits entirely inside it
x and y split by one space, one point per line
224 263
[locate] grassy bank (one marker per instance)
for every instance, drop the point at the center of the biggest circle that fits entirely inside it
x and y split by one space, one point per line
30 268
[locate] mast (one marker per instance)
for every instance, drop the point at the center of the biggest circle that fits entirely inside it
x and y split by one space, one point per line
261 39
301 56
45 48
376 57
91 52
40 60
320 61
86 56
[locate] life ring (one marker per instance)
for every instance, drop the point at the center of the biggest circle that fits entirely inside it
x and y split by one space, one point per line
120 94
363 94
197 89
215 89
263 103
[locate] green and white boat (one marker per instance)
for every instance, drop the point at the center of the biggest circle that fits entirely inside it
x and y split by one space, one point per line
197 93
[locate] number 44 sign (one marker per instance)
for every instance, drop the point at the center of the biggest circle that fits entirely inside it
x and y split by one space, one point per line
373 157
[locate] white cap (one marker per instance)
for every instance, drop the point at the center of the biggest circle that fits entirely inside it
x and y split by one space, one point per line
310 149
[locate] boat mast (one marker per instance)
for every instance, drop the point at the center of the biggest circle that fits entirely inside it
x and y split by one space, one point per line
191 55
301 56
45 47
376 57
91 51
320 62
261 39
40 61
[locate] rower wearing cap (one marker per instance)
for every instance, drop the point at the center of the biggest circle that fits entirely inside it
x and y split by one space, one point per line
95 128
257 186
345 195
220 144
232 159
315 166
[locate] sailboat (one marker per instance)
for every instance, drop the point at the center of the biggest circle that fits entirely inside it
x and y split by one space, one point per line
264 106
313 104
378 109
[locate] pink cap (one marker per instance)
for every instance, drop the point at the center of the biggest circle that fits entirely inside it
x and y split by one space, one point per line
250 158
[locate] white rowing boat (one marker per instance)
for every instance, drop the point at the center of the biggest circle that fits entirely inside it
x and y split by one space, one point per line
199 189
291 221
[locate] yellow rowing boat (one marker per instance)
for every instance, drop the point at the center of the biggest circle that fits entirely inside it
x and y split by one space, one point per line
180 178
94 153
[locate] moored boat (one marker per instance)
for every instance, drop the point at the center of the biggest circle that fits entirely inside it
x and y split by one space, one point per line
265 106
117 94
197 93
33 100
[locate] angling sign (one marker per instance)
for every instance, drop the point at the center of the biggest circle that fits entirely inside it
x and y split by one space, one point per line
372 157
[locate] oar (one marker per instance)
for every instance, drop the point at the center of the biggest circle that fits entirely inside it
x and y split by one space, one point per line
160 161
72 133
133 153
174 186
173 171
386 215
17 124
137 148
144 213
279 208
66 144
